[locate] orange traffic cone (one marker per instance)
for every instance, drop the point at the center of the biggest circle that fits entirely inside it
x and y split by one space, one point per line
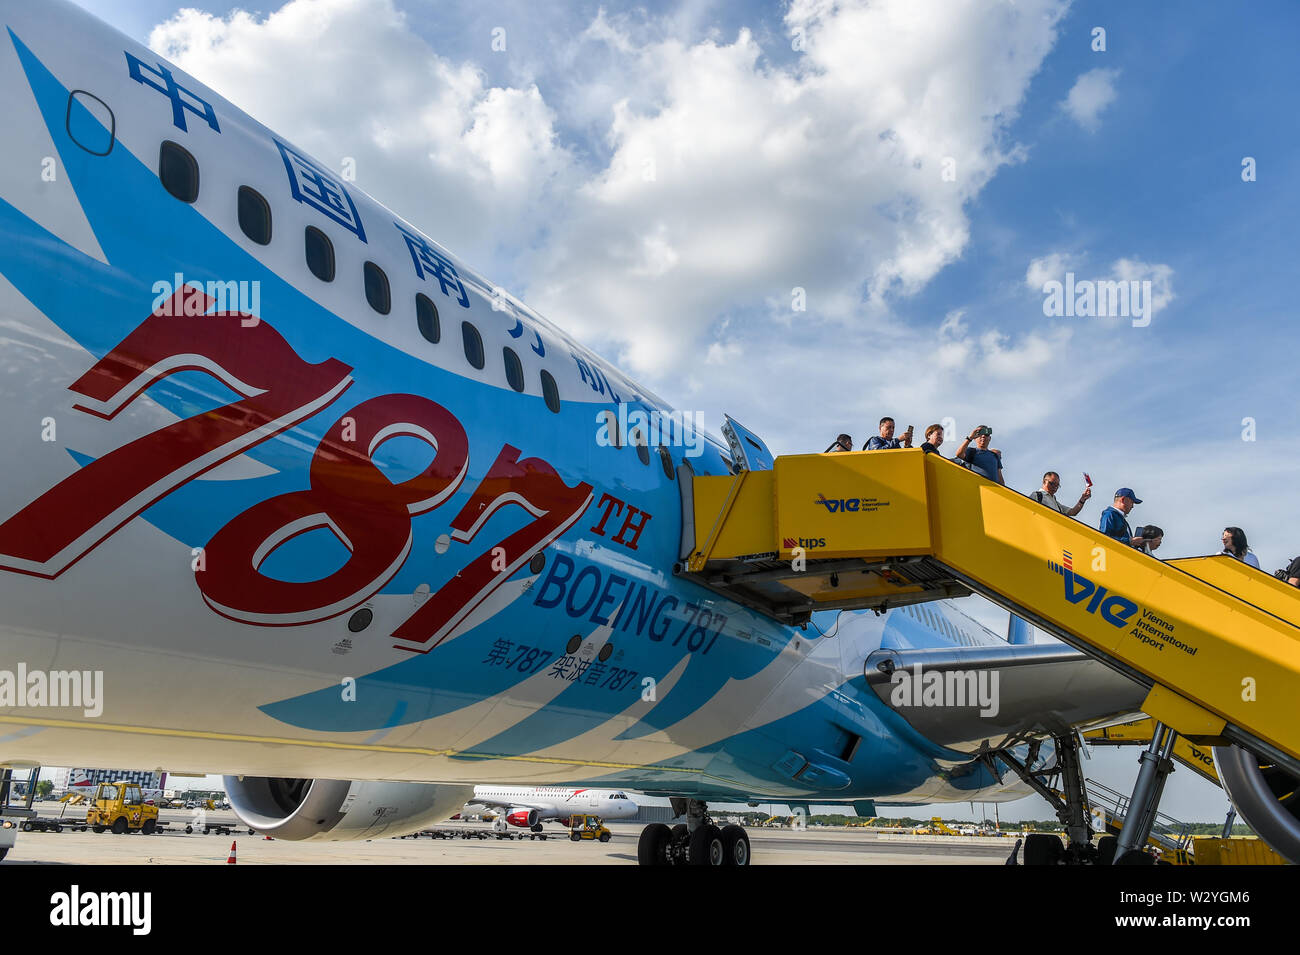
231 860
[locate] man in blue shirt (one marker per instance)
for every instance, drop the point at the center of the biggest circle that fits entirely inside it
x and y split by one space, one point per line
1113 519
886 441
981 459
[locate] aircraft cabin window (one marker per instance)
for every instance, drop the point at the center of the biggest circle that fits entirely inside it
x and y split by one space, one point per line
642 452
254 215
550 392
320 254
514 369
377 293
666 460
426 316
473 345
178 171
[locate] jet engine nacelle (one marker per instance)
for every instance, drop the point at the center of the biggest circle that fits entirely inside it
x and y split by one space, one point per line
523 818
336 810
1265 796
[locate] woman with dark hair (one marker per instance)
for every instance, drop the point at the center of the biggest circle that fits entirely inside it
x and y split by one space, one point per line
1234 544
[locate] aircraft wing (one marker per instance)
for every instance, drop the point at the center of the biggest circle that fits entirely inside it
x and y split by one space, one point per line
980 699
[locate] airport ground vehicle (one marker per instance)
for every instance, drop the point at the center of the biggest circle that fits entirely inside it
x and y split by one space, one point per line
583 826
121 807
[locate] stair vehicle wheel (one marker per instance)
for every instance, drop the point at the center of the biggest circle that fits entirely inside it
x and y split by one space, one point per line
97 828
148 827
1042 848
27 826
1136 857
706 846
735 845
574 837
652 847
119 825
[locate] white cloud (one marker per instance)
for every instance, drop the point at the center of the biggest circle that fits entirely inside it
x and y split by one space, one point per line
1160 276
1049 268
1092 92
825 175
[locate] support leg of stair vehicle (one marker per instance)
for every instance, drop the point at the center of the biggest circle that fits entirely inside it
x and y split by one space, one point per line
1156 765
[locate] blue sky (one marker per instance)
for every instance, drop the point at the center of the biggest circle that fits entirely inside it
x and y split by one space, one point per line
777 168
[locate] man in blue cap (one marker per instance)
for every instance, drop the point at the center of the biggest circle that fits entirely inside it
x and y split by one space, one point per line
1113 519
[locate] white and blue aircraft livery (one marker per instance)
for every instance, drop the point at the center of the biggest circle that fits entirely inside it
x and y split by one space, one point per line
331 519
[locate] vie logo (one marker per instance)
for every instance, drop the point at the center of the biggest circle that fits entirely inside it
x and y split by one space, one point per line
838 505
1113 608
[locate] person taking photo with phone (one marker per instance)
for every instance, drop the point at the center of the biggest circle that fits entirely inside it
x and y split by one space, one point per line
981 458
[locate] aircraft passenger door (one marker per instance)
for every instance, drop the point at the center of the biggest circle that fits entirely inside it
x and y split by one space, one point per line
748 450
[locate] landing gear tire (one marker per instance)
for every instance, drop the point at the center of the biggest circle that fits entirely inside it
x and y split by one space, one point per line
119 826
735 845
652 848
537 827
706 846
1106 850
1043 849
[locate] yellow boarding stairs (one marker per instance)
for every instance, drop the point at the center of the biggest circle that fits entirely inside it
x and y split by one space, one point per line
1214 640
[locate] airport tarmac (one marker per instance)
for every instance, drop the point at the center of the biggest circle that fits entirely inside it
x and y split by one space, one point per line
821 846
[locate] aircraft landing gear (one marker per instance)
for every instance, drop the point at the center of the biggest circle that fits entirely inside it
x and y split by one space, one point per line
1070 803
696 842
